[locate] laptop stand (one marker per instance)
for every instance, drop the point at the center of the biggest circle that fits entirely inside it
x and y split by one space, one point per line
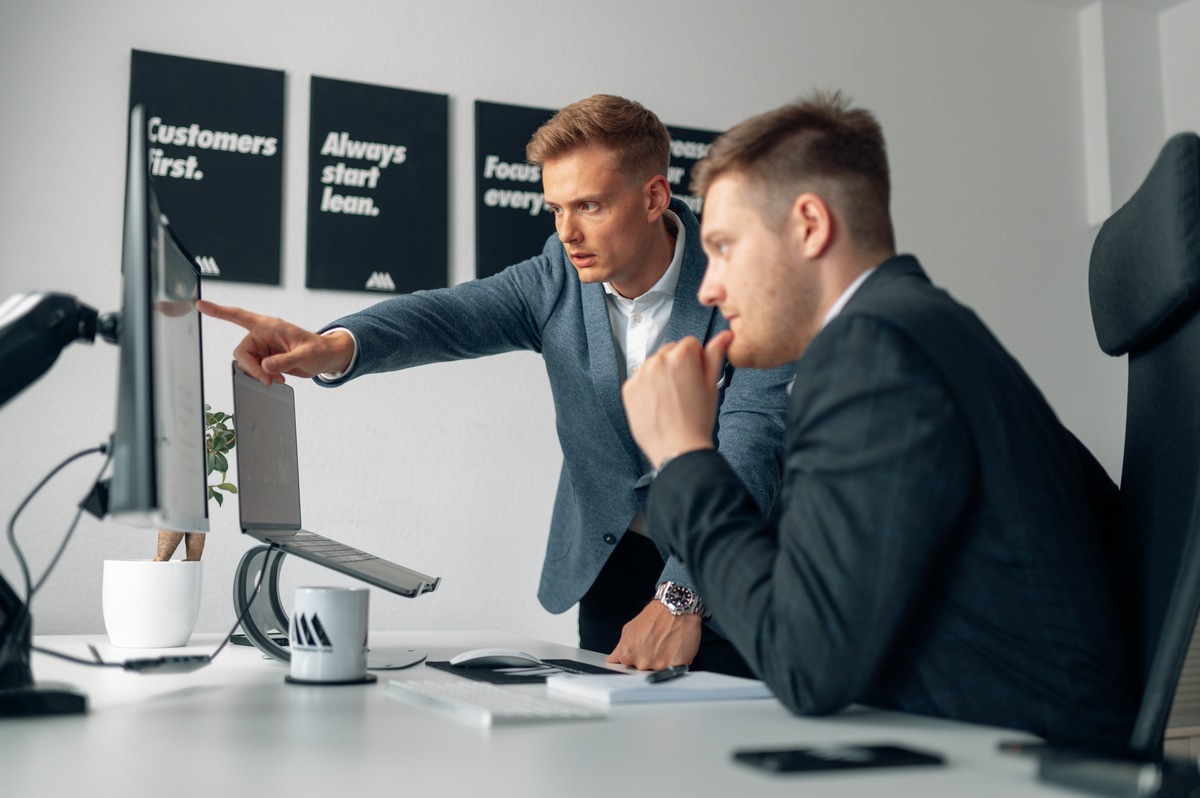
265 623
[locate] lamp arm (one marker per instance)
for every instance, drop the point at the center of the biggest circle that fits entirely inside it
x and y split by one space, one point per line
35 327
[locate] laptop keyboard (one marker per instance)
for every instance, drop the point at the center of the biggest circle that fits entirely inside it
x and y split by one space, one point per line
329 549
483 704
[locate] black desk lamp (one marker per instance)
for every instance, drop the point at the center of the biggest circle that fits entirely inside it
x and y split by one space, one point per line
34 328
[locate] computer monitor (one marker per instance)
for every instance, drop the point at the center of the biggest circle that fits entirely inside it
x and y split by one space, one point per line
159 478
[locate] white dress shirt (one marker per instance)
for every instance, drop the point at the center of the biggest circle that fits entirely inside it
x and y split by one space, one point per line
639 325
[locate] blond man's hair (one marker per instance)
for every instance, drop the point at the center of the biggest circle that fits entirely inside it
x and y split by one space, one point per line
630 131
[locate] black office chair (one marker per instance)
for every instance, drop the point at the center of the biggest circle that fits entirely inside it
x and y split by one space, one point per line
1144 282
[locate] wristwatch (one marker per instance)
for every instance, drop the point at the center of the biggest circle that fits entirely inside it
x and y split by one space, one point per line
680 600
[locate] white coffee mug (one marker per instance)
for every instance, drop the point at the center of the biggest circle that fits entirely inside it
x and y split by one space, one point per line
327 635
148 604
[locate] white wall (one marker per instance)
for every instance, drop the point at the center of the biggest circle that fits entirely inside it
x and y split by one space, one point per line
1179 29
451 468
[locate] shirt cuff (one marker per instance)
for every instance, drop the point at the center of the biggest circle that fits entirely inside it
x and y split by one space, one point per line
335 376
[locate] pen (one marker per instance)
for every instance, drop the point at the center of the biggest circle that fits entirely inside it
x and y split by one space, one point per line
665 675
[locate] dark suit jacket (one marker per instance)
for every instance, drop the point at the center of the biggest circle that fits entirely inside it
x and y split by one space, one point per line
540 305
937 548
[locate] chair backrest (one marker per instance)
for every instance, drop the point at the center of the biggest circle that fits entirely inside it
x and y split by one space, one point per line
1144 281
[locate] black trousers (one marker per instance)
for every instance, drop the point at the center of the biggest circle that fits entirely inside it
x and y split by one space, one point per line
622 590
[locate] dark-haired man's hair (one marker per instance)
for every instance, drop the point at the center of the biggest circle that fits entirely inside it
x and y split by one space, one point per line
817 144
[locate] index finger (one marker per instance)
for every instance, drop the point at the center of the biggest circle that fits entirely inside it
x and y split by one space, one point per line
239 316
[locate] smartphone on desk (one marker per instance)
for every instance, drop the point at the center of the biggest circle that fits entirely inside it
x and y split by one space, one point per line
835 757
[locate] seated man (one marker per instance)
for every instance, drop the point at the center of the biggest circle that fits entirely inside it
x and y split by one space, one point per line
937 545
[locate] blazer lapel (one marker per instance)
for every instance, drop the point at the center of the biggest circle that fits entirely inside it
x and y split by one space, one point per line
688 316
602 353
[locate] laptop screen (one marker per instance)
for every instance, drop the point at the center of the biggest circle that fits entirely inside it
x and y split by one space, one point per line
267 460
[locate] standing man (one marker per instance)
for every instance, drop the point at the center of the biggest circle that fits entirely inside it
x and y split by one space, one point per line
938 548
619 280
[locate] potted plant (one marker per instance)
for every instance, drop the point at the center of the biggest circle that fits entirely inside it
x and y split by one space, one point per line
219 440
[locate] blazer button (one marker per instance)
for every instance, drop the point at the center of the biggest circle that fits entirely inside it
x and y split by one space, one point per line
610 539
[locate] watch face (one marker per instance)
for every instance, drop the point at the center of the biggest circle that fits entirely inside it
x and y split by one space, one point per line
678 598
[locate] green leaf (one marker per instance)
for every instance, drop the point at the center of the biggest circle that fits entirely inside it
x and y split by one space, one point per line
228 487
222 464
211 463
219 498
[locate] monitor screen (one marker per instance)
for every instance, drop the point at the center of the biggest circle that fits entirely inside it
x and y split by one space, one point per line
159 478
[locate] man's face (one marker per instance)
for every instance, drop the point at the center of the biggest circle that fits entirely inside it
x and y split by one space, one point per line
765 291
602 216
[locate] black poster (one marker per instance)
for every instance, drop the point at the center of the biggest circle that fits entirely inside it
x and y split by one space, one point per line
511 222
378 196
688 146
216 158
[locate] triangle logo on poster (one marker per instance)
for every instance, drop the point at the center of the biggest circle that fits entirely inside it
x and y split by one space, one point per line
380 281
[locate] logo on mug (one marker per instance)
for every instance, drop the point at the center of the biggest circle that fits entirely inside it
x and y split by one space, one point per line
308 634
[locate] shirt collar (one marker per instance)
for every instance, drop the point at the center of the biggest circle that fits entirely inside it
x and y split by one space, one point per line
670 279
845 297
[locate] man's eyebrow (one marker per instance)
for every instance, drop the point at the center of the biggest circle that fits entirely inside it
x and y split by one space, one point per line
577 200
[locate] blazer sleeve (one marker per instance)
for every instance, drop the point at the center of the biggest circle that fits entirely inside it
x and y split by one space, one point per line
878 468
501 313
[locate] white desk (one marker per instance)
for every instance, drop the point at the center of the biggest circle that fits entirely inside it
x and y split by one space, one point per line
235 728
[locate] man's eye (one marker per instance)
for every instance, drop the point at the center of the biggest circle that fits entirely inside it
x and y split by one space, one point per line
722 248
589 206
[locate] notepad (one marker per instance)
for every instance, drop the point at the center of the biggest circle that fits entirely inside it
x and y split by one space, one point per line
625 689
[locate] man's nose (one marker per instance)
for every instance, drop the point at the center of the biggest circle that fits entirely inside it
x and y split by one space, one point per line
711 292
568 230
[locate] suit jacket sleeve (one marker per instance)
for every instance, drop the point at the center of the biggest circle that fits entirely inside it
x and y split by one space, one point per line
502 313
878 461
751 425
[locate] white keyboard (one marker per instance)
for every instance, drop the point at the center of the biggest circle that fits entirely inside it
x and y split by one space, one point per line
484 704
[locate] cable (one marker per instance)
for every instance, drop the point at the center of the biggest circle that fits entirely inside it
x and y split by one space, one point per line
77 660
253 595
23 613
30 588
71 531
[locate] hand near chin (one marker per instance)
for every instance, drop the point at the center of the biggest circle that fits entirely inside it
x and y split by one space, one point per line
671 402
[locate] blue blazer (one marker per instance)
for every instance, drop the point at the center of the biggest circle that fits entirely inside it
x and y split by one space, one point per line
540 305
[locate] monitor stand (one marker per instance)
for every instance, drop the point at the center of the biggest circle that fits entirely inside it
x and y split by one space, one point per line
19 694
266 623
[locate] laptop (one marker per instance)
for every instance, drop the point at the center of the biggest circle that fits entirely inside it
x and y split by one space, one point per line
268 468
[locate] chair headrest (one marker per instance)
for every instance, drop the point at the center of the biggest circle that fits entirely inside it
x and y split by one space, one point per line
1144 275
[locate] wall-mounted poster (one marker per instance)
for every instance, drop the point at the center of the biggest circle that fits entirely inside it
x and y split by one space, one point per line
378 196
511 222
688 145
215 136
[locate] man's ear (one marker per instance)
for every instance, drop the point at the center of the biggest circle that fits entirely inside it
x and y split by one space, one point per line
811 225
658 197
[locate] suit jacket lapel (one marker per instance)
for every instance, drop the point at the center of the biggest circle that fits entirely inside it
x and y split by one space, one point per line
602 353
688 316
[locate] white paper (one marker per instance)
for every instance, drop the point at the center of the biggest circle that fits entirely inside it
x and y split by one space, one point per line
629 689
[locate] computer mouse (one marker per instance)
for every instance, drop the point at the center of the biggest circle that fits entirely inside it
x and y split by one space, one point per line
495 658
